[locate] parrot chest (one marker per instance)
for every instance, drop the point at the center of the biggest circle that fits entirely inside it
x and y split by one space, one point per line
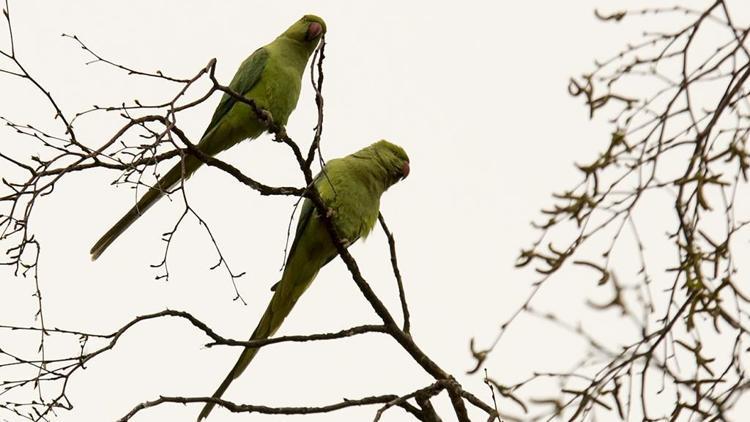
355 217
355 202
281 91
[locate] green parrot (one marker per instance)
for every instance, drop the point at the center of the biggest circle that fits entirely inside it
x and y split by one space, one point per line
351 188
272 77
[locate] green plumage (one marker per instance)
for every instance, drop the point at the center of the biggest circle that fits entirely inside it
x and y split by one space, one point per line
351 188
272 77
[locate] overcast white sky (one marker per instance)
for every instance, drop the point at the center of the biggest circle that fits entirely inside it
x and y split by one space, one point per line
475 92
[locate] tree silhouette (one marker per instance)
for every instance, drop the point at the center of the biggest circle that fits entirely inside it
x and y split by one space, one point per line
159 138
667 192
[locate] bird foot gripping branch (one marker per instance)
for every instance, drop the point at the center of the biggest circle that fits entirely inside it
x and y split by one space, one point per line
266 117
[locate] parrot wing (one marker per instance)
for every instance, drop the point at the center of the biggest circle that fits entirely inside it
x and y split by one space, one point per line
244 80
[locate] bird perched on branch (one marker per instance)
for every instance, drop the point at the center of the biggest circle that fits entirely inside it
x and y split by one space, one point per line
271 77
350 188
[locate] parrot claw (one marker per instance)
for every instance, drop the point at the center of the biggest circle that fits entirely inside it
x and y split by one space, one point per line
281 135
330 213
265 116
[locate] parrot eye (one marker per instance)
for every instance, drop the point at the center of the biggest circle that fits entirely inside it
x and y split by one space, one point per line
313 31
405 169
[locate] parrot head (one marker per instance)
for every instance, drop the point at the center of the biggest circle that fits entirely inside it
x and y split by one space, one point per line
307 30
392 158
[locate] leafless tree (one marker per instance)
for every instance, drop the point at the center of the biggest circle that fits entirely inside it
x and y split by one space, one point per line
677 101
149 135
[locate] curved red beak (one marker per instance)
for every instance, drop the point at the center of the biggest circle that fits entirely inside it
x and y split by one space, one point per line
313 30
405 169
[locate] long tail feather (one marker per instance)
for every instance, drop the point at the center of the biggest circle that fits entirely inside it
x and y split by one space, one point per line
281 304
264 330
168 181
